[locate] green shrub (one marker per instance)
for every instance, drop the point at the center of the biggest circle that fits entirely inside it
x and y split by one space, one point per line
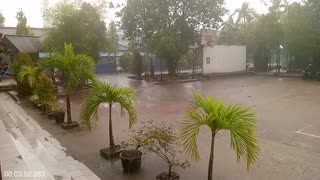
125 60
45 90
137 65
22 59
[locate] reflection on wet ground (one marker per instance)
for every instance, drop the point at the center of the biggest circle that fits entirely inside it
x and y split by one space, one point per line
283 106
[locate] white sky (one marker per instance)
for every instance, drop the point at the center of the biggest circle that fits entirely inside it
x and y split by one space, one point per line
32 9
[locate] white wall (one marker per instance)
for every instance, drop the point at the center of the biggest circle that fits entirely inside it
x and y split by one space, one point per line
224 59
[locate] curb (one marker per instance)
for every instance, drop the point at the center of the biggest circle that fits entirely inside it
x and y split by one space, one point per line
14 96
279 75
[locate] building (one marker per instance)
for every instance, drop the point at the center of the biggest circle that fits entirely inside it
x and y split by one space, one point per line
108 61
224 59
40 32
10 45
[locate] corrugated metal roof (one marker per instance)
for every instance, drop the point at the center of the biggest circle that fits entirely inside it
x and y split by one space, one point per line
25 43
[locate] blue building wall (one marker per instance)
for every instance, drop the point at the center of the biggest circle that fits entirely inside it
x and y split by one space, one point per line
105 68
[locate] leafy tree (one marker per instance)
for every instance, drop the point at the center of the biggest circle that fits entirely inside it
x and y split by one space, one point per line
100 92
112 37
245 14
137 64
175 30
78 23
22 59
241 31
75 68
228 33
22 28
125 61
301 31
2 20
211 112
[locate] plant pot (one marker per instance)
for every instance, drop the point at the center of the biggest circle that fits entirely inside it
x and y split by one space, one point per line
51 115
130 160
165 176
111 152
59 115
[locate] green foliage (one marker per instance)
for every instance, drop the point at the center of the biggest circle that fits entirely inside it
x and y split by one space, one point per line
22 27
100 92
2 20
30 75
246 14
301 33
21 59
45 91
137 64
76 68
35 100
78 23
160 139
112 37
175 27
213 113
23 85
125 61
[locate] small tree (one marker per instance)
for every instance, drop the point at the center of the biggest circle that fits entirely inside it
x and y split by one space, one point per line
161 140
2 19
125 61
137 65
76 68
100 92
210 112
22 28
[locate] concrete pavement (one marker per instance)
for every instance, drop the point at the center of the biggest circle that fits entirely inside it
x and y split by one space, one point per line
27 151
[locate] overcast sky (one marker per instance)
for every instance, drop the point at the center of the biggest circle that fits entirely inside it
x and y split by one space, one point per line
32 9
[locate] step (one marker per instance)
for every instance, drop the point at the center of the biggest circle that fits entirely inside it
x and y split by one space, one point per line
37 148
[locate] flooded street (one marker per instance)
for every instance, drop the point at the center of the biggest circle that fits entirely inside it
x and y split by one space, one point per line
287 121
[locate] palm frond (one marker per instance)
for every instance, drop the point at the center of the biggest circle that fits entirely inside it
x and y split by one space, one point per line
99 92
77 68
212 112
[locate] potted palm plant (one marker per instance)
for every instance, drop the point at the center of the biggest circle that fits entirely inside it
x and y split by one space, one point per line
99 92
211 112
75 68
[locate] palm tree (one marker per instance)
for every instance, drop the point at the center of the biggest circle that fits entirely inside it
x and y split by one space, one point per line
76 68
100 92
245 14
211 112
30 75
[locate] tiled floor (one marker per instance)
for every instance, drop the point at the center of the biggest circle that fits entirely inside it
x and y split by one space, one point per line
27 151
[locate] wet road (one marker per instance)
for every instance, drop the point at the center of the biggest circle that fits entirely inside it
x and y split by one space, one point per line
288 128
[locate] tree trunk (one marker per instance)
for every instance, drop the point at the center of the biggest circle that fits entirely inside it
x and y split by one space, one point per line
69 109
193 62
115 61
170 167
161 68
110 127
211 157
